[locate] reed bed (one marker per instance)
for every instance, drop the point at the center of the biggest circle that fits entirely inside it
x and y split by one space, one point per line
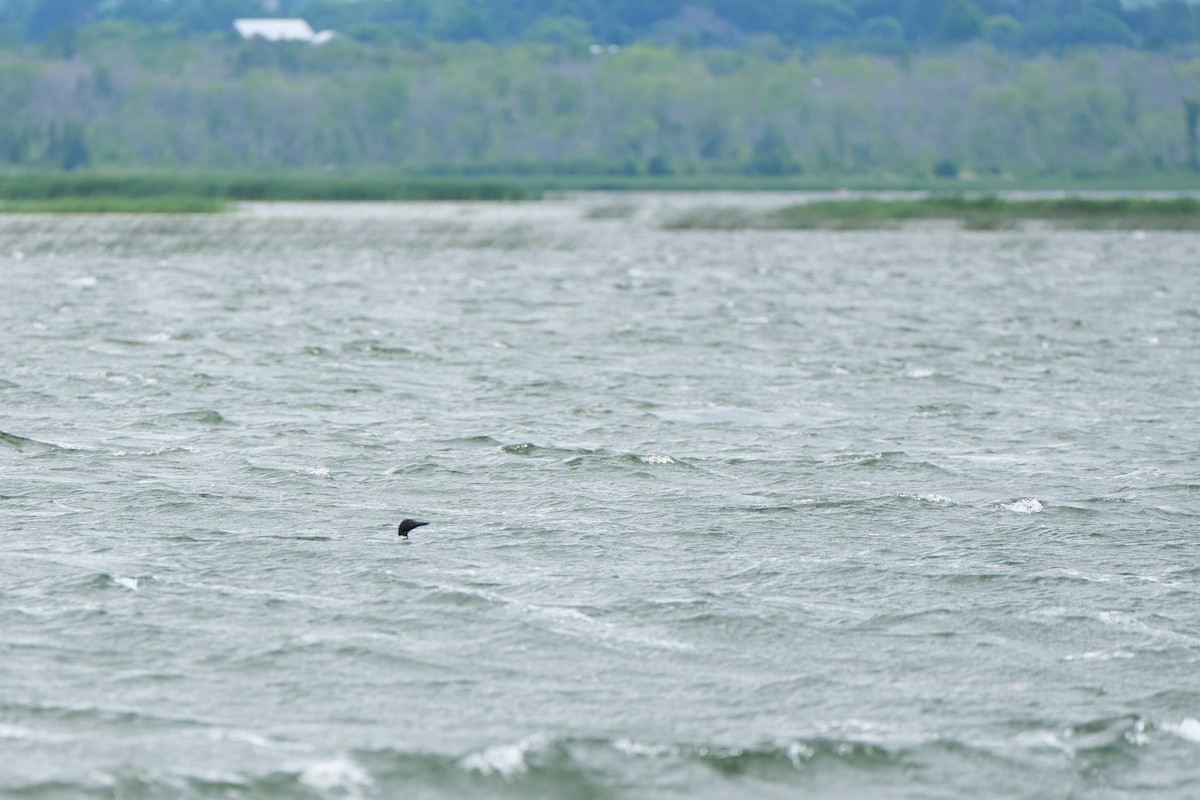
981 213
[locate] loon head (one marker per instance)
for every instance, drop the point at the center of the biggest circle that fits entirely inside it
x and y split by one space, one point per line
408 525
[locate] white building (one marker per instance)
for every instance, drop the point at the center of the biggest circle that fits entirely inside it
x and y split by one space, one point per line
280 30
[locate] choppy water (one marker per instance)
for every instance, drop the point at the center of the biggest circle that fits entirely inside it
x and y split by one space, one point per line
761 514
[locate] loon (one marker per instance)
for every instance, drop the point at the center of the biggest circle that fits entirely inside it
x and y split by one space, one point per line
408 525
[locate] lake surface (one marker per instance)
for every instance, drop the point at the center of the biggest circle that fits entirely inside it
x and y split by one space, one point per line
901 514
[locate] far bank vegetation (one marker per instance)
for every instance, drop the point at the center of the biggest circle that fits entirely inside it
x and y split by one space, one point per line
978 213
127 103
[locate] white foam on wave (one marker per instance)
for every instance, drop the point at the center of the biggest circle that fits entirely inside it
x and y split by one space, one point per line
572 622
631 748
1028 505
1188 728
340 774
129 583
1047 739
936 499
15 733
657 460
321 471
1099 655
158 452
798 753
506 760
254 740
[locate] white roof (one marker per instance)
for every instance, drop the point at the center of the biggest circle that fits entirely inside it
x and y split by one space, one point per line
275 30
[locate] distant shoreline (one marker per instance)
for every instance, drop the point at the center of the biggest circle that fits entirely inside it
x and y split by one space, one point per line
830 203
977 213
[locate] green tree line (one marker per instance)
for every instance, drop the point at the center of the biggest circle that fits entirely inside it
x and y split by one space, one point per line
884 25
130 98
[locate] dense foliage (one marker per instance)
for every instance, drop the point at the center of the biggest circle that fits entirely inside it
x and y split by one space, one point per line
651 110
163 84
879 25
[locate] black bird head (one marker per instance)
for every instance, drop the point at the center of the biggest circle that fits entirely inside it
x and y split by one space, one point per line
408 525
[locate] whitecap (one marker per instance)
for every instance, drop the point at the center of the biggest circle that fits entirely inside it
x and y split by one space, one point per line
1028 505
253 739
631 748
319 471
340 773
506 760
657 460
129 583
572 622
156 452
936 499
1046 739
1098 655
798 753
14 732
1188 728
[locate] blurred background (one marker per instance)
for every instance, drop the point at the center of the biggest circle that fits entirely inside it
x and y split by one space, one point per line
990 91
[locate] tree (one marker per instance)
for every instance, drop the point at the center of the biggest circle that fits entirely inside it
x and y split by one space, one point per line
960 22
1191 112
1002 31
825 19
73 147
51 15
1094 25
659 165
463 24
558 30
945 169
885 29
772 155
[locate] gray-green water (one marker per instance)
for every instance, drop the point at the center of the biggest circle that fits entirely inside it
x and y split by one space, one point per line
909 514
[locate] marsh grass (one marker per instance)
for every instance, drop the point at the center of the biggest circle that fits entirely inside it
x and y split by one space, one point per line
715 218
105 204
983 213
51 186
612 211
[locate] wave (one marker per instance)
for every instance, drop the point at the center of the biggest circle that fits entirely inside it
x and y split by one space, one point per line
1025 505
540 766
22 444
203 416
158 451
582 456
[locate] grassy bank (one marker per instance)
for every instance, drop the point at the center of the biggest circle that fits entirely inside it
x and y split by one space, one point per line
379 186
47 186
1180 182
105 204
984 213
